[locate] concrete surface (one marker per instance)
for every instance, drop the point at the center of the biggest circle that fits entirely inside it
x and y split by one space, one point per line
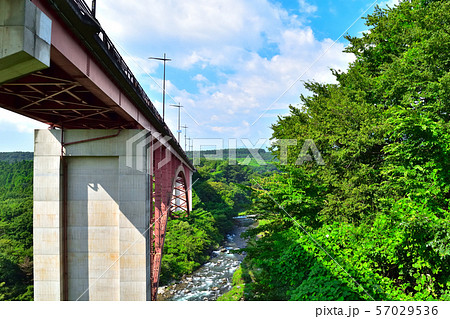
25 39
108 215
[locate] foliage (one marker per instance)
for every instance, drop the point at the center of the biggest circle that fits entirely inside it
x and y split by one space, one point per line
342 261
16 230
218 196
373 223
237 291
189 241
12 157
232 154
186 243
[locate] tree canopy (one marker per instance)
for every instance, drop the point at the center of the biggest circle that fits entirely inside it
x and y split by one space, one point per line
373 222
16 230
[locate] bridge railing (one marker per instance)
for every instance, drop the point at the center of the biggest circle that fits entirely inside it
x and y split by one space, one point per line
123 67
84 7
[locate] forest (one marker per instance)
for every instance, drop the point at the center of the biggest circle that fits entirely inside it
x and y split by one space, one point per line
369 223
16 228
219 194
373 222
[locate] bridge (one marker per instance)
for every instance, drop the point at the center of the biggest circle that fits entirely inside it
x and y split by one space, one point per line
108 172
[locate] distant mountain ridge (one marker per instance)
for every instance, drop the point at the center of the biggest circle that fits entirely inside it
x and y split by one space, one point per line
12 157
239 153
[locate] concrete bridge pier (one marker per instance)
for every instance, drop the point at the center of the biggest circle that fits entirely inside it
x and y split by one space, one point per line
92 215
103 187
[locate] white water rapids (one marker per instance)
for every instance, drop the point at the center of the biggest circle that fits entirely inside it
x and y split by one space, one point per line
214 277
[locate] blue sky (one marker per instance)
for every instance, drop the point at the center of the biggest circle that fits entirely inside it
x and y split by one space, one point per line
236 64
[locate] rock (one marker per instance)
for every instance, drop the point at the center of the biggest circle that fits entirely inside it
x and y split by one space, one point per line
205 298
214 288
161 290
223 250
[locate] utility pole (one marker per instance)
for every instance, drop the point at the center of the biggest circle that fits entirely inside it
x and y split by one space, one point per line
189 144
179 106
94 7
185 129
164 59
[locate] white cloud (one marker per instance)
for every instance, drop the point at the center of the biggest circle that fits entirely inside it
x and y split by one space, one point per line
214 32
260 81
218 45
144 64
233 131
390 3
200 78
20 123
306 7
225 38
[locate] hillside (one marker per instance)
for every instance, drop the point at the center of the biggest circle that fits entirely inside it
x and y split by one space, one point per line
219 194
239 154
16 228
371 221
12 157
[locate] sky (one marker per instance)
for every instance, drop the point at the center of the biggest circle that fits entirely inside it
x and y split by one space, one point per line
236 65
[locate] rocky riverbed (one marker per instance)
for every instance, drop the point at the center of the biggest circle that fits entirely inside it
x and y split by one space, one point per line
213 278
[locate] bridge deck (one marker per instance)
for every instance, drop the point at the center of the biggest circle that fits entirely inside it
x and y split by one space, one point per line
88 84
96 192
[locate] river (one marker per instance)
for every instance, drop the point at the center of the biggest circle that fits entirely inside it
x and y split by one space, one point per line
213 278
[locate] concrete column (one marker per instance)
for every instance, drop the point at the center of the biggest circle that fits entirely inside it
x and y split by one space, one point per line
108 215
47 216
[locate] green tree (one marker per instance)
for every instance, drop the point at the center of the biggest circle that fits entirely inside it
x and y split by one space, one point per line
16 230
373 222
217 198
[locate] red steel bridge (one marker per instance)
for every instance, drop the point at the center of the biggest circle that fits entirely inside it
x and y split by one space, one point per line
108 172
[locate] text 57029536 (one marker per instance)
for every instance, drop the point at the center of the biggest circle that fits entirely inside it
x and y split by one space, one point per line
418 310
373 311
